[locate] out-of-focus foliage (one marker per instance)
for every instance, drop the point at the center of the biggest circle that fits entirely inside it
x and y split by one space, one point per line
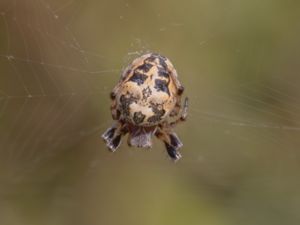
239 62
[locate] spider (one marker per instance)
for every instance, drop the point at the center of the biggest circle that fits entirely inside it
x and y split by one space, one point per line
147 102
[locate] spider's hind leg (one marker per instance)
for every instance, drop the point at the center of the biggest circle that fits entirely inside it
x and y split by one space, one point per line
172 143
113 135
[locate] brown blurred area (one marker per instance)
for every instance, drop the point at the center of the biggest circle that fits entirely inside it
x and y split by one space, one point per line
239 63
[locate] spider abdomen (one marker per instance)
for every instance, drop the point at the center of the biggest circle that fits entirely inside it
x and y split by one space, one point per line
147 95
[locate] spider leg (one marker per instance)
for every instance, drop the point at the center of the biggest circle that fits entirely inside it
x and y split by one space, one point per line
184 113
176 109
115 113
113 135
172 142
179 86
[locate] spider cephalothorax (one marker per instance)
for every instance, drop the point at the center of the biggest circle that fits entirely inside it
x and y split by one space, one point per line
147 102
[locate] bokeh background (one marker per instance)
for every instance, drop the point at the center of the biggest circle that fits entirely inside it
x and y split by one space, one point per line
239 62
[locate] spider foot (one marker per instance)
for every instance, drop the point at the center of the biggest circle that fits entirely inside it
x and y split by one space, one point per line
109 133
172 143
175 141
112 140
173 152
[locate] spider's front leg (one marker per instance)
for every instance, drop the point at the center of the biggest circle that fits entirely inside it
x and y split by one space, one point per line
172 142
113 135
113 108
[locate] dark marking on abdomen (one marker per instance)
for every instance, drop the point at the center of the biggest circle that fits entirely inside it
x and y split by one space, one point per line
161 85
163 73
146 93
158 59
158 111
138 78
125 103
145 67
162 62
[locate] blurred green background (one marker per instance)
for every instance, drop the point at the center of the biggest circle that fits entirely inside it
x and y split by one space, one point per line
239 63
